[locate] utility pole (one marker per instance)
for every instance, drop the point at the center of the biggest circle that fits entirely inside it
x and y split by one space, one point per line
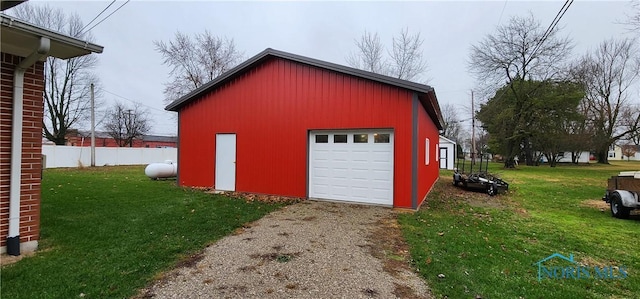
93 129
129 128
473 131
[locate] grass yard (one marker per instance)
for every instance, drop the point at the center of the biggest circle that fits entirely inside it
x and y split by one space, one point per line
109 231
489 247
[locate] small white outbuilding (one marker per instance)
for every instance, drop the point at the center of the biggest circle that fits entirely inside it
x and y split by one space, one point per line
447 153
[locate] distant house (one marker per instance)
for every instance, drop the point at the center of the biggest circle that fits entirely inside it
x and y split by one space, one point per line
290 125
23 49
447 154
565 157
616 153
83 138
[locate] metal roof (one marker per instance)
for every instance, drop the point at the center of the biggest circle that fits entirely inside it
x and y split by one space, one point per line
426 93
158 138
21 39
150 138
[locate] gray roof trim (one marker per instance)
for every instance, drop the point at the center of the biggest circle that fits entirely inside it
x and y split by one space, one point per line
236 71
12 24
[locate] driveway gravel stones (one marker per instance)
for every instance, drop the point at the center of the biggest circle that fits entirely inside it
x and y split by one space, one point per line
311 249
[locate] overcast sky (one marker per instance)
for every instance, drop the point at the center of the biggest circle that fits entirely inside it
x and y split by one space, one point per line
130 67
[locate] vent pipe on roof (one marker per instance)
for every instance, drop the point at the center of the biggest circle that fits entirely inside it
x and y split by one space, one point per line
13 240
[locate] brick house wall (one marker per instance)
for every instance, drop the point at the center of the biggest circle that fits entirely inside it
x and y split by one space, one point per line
31 149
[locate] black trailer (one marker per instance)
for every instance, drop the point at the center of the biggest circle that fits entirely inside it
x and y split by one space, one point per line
623 193
479 180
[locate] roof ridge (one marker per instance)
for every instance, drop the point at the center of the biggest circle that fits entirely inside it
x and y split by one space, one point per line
175 105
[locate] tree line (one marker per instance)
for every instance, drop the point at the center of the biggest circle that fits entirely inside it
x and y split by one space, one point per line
545 104
540 102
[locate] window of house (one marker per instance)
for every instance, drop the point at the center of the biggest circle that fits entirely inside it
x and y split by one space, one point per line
360 138
426 151
322 138
340 138
380 138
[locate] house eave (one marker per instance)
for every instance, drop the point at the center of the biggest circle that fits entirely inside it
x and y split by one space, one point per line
20 38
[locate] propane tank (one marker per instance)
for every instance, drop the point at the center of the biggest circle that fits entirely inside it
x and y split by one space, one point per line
168 169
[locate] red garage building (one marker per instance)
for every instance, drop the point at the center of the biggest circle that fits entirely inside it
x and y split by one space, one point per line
290 125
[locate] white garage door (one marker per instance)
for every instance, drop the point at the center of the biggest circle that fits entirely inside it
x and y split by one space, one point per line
351 166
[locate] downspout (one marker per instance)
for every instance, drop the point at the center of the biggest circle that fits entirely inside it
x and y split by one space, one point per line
13 240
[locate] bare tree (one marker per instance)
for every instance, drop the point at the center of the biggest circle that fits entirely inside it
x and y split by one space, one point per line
125 124
406 56
482 141
195 60
580 133
369 56
633 21
519 51
630 121
607 75
629 150
452 127
405 60
67 82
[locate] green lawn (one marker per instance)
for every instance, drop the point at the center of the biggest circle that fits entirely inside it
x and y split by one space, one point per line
489 246
109 231
106 232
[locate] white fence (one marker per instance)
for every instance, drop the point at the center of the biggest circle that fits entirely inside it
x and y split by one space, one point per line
75 156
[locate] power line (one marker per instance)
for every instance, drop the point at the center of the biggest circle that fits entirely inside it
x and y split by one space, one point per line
167 128
105 9
502 12
133 101
544 37
119 7
550 29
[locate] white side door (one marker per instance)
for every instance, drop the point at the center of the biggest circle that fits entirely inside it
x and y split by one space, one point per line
225 162
444 158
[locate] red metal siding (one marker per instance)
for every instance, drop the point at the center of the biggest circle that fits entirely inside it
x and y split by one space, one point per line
427 174
271 108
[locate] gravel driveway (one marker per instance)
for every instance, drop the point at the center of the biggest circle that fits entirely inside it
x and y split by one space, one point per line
310 249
